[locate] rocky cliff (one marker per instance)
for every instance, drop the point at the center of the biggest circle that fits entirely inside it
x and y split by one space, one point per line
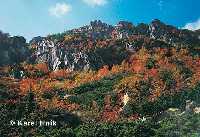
72 49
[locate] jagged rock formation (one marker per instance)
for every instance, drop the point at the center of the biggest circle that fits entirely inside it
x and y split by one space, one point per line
171 34
55 56
72 48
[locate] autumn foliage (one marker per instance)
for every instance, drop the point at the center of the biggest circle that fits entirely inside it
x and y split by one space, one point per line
27 85
147 76
59 74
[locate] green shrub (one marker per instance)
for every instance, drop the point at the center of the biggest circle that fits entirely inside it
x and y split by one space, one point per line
176 125
150 63
124 129
48 95
164 102
167 77
95 91
57 132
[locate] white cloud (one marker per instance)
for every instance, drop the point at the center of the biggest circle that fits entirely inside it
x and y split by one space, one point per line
193 25
60 9
160 4
95 2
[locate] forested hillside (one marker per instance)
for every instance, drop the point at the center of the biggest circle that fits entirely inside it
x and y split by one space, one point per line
102 81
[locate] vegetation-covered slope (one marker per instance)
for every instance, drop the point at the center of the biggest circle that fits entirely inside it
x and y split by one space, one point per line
135 85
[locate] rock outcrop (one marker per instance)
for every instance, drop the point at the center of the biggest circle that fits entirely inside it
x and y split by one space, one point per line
56 56
71 49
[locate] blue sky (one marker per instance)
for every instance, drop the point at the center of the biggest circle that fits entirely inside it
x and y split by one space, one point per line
31 18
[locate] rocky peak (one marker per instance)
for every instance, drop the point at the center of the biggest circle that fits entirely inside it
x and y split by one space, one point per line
163 32
157 22
70 50
124 25
97 23
171 35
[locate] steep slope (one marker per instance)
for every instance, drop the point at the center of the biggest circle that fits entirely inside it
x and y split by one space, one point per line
143 80
72 49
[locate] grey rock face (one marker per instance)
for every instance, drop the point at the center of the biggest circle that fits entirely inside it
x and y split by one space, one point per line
55 56
46 51
76 60
170 34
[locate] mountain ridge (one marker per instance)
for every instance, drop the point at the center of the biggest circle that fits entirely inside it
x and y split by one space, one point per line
100 35
103 80
80 48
